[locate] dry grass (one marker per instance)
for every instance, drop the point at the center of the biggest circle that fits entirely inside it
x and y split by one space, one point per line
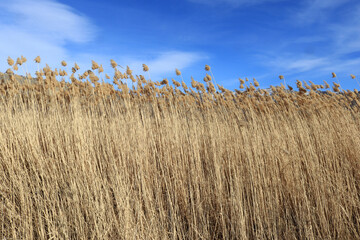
86 161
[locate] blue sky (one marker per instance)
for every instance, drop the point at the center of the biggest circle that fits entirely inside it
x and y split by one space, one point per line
305 40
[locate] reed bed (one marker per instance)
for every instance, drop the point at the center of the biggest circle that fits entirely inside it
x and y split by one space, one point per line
162 160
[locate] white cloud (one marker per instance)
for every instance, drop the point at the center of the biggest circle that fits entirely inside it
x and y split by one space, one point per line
306 64
234 3
40 27
49 19
338 42
292 64
346 34
166 62
312 67
162 64
45 27
317 10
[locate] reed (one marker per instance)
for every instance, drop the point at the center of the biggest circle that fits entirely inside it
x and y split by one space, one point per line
163 160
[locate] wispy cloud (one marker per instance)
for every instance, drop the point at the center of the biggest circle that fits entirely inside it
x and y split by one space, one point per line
312 68
334 40
164 63
41 27
233 3
46 27
161 64
49 19
346 34
299 65
315 11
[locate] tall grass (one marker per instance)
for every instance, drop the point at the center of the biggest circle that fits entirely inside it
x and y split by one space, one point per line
81 160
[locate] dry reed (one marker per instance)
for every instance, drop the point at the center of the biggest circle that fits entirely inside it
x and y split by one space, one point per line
82 160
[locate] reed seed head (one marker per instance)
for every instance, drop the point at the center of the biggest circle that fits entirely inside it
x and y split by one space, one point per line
183 84
128 70
164 82
18 61
177 71
94 65
145 68
176 83
207 78
132 78
23 59
113 63
101 69
10 61
326 85
9 71
37 59
256 83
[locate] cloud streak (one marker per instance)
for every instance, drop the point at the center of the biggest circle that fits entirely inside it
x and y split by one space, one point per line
337 42
315 11
49 19
166 62
46 27
161 64
233 3
41 27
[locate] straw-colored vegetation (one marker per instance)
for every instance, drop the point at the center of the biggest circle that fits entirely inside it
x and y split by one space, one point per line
163 160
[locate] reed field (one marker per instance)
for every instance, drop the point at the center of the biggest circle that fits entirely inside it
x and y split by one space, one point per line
144 159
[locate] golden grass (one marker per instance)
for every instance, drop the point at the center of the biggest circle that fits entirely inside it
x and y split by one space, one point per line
82 160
